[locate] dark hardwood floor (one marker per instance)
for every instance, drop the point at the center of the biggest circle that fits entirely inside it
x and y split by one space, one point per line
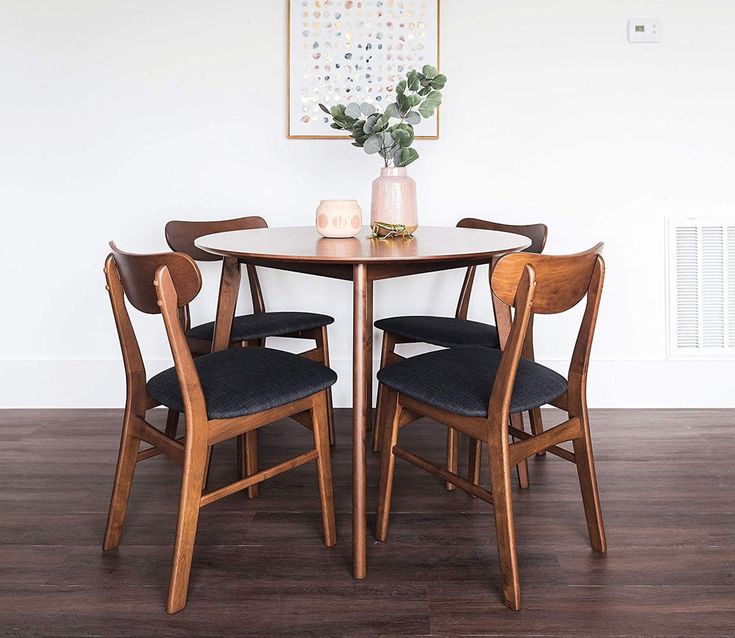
667 480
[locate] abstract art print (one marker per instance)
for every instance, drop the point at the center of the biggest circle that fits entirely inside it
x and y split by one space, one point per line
355 51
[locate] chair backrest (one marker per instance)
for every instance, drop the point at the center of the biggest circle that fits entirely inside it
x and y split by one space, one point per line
535 232
546 284
181 236
137 273
136 278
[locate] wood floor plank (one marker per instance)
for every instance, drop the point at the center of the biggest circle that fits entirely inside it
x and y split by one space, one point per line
260 567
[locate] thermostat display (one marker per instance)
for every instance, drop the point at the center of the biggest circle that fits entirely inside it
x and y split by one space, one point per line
644 30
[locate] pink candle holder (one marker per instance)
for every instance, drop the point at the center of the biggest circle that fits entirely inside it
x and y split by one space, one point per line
338 218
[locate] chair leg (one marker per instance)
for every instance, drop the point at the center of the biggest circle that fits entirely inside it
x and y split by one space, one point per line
588 485
504 525
192 481
126 460
537 425
386 351
172 423
475 461
330 419
208 467
388 462
452 455
378 417
247 458
475 458
322 342
240 449
522 468
320 427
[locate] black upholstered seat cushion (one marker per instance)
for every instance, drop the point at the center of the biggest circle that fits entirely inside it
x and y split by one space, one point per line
441 331
460 380
265 324
244 381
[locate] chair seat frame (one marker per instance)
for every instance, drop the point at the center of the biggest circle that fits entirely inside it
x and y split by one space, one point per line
565 281
190 452
537 233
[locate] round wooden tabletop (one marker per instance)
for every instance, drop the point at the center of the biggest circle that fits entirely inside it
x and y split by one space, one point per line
304 244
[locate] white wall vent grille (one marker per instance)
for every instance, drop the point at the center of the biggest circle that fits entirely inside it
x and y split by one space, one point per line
701 274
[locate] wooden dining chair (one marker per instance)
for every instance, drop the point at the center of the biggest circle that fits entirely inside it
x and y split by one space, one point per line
250 329
222 395
475 389
456 331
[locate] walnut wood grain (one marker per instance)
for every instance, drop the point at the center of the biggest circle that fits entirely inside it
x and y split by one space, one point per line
362 261
181 236
176 281
536 234
666 572
518 282
302 244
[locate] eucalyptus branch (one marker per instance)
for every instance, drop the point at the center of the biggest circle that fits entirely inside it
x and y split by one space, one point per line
417 98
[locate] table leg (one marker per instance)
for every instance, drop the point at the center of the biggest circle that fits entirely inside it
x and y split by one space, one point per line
362 353
229 286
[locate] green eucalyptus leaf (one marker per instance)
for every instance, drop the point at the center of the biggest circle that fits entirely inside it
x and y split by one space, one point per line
430 103
439 82
414 84
370 121
338 111
429 71
373 144
382 122
408 136
400 136
401 86
415 99
337 126
408 155
435 98
324 108
425 91
367 108
392 110
413 118
353 110
426 110
388 139
404 103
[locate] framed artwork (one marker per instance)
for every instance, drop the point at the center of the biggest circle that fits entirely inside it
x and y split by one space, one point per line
342 51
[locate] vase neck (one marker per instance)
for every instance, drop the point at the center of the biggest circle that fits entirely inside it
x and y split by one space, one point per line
393 172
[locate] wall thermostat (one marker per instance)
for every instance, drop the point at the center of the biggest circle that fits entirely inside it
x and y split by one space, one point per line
644 30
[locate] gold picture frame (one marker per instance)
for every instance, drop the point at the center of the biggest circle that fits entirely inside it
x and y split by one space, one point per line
289 83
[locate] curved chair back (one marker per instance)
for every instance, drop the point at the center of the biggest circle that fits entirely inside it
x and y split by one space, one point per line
561 280
137 273
546 284
181 236
535 232
137 277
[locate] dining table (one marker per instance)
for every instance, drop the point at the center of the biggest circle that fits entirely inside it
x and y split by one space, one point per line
362 260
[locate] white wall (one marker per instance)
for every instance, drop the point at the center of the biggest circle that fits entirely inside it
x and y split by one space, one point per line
116 116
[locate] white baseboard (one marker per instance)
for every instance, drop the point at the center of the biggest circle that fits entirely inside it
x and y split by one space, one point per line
612 384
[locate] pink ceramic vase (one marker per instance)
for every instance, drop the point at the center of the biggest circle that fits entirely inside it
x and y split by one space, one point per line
394 200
